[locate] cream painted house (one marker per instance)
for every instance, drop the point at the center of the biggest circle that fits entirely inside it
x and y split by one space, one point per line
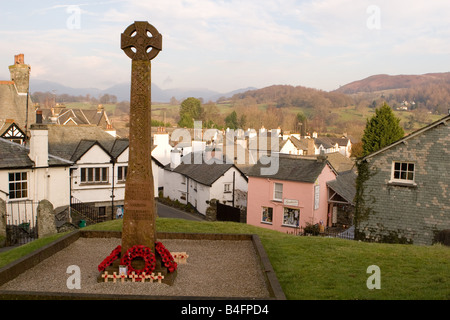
98 174
29 175
198 183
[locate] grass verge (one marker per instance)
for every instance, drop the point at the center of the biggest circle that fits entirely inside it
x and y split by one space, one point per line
323 268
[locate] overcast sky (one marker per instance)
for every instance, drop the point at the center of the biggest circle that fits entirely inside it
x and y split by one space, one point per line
228 44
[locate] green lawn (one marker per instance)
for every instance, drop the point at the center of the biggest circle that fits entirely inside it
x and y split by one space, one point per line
324 268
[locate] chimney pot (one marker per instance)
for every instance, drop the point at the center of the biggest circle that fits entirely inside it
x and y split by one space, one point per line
19 59
39 116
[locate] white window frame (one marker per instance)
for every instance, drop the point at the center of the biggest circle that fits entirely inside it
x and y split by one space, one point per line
408 175
275 191
227 187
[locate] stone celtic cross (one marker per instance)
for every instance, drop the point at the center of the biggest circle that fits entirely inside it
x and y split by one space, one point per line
137 36
141 42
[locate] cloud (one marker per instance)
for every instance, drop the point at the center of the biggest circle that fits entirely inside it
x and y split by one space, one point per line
225 44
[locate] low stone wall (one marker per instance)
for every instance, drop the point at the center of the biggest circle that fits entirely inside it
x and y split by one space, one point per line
16 268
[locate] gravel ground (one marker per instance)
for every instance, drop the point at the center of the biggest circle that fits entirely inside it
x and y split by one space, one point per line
218 268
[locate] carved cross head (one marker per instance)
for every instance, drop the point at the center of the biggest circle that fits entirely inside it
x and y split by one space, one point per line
141 41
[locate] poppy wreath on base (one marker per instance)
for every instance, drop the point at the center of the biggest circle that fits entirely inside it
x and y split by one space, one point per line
166 257
114 255
139 251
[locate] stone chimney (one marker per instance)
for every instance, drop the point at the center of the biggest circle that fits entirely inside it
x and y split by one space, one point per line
322 157
311 147
20 74
39 142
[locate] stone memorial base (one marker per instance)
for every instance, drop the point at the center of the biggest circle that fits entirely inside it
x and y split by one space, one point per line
161 274
219 266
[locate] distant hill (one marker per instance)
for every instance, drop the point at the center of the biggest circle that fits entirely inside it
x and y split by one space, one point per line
387 82
427 92
282 96
122 91
57 88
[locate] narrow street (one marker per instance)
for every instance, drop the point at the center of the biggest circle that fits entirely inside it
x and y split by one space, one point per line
165 211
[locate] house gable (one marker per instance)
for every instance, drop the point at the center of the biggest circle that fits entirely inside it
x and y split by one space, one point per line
409 211
287 147
70 121
95 154
14 133
123 156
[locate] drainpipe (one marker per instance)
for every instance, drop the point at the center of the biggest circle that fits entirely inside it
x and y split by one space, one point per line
234 179
70 193
187 190
112 190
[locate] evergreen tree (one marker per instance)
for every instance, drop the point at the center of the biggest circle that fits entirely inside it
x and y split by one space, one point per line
191 109
381 130
301 121
231 121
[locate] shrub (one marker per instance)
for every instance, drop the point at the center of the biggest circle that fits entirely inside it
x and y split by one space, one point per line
443 237
312 229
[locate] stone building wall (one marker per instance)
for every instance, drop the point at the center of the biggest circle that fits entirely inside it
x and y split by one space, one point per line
415 213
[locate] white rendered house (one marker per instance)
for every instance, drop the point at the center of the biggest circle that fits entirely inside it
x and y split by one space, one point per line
199 183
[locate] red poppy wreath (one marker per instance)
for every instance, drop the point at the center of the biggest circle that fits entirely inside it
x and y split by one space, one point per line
166 257
139 251
115 254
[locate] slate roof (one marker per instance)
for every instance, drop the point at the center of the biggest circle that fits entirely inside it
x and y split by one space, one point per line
340 162
119 146
14 156
325 142
67 144
330 142
292 168
203 173
301 144
80 116
345 185
70 142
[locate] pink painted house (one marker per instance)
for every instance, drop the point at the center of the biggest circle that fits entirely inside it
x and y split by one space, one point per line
295 195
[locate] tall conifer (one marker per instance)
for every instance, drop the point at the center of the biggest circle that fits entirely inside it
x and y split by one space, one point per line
381 130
